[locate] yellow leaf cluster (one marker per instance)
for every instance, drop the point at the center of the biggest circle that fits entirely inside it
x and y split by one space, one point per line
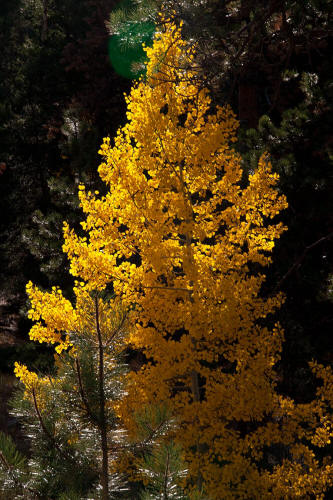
56 318
32 383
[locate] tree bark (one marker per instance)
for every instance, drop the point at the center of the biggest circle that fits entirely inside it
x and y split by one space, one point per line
45 21
102 420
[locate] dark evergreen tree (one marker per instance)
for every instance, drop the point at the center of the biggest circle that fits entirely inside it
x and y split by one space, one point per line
35 87
60 97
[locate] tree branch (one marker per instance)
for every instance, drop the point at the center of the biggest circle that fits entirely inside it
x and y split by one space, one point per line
82 393
298 262
168 288
45 430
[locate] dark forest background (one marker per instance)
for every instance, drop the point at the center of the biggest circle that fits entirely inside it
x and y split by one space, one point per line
60 95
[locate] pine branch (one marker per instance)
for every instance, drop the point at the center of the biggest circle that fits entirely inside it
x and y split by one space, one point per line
4 461
45 430
82 393
166 476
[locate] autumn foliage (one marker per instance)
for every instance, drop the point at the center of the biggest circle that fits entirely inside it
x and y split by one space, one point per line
182 237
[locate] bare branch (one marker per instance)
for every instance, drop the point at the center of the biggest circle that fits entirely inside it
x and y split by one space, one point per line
299 261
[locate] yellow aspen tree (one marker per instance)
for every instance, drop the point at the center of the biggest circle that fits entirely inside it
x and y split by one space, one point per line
183 237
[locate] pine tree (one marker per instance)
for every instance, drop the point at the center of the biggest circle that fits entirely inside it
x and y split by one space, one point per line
183 236
75 448
162 467
299 146
92 109
155 460
34 90
55 77
69 416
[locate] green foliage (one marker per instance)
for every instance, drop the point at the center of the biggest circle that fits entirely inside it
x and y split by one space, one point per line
63 413
10 456
54 467
164 469
35 87
55 75
158 461
131 25
300 146
152 421
70 495
13 467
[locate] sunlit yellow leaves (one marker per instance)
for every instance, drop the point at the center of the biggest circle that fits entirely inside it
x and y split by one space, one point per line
32 383
56 319
29 379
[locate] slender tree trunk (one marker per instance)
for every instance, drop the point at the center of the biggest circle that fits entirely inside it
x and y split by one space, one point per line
195 386
166 476
102 422
45 21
